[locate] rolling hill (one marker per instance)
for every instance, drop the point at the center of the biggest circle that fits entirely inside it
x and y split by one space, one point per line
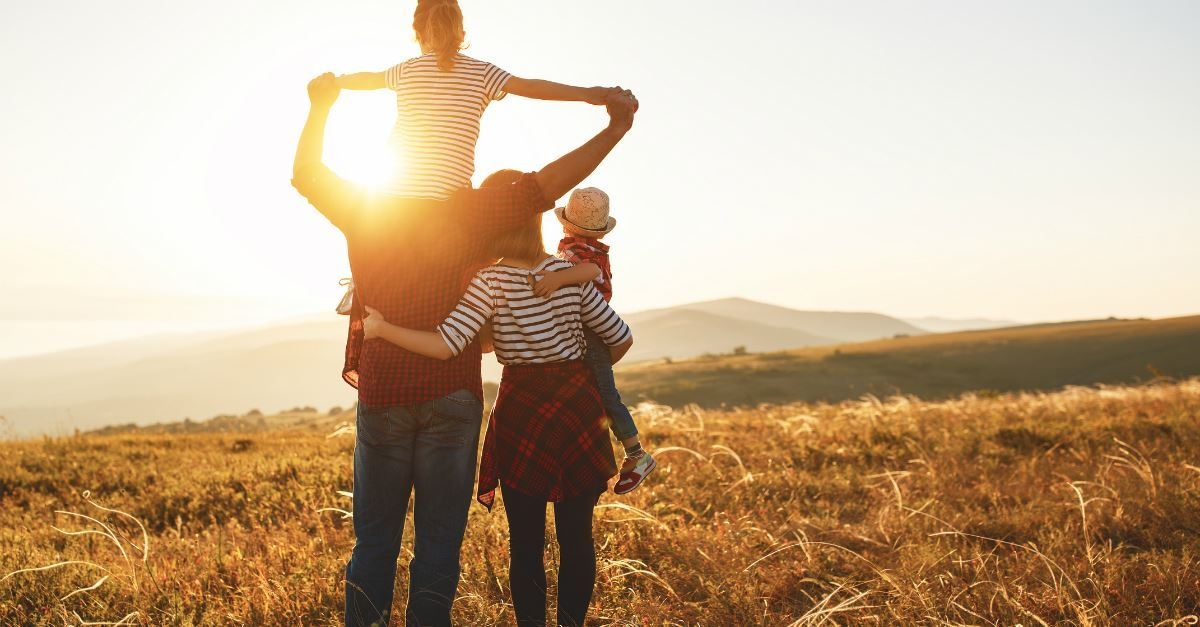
934 324
298 363
1034 357
826 327
691 332
175 386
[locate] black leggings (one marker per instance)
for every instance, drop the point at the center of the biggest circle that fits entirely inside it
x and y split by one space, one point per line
527 547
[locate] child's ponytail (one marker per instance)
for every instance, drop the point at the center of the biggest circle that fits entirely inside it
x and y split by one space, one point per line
439 28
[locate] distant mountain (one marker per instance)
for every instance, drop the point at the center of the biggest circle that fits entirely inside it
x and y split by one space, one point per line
298 363
836 326
170 377
933 366
934 324
319 327
190 383
682 332
96 356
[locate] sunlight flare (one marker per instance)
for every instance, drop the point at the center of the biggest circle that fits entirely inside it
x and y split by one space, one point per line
357 144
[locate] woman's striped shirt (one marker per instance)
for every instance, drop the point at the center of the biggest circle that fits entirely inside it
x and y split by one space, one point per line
437 122
526 328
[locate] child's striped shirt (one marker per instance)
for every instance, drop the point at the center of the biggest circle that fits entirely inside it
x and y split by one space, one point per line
437 122
526 328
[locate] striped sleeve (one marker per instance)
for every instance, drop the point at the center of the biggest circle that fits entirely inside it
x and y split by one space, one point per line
601 318
494 80
473 311
391 77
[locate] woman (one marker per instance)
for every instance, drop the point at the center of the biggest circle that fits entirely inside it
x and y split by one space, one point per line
547 440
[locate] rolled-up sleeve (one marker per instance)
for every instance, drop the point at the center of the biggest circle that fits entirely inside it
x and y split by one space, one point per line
601 318
473 311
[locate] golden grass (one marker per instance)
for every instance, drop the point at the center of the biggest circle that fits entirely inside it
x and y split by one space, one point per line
1077 507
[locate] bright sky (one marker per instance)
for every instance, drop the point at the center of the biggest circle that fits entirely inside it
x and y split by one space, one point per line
1027 160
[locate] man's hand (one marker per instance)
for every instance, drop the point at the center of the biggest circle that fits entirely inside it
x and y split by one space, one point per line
559 176
547 283
621 107
372 323
599 95
323 90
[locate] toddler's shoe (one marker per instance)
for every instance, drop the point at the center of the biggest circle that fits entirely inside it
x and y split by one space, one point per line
633 471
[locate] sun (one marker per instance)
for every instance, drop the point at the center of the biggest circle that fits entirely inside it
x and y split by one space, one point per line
356 140
366 164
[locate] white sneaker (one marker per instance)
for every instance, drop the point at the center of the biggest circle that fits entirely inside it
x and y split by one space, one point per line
638 468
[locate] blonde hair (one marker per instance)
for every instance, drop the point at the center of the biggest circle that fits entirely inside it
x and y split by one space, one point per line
439 28
501 177
523 242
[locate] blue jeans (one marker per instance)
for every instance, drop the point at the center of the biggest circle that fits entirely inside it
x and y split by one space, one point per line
599 359
429 448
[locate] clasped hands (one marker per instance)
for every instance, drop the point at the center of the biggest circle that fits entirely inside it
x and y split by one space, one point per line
621 103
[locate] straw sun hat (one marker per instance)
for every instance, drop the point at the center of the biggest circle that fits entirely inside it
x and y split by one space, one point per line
586 213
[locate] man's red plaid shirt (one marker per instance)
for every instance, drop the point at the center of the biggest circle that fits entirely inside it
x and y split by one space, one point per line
577 249
411 259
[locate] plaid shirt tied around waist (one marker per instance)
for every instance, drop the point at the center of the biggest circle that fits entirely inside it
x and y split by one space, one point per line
547 436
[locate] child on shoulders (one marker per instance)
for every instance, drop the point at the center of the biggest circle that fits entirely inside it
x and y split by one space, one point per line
440 98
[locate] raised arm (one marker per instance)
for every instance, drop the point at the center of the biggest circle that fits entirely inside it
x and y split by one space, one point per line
566 172
322 93
488 211
362 81
549 90
337 199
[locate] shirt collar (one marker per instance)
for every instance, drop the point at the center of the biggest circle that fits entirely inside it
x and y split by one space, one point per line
579 240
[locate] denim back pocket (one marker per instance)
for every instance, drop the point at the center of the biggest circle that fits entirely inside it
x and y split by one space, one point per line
455 421
461 406
372 424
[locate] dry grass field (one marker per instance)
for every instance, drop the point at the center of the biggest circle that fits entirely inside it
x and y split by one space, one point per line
1075 507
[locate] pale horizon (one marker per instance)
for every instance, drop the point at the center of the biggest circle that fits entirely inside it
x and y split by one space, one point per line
115 332
1026 161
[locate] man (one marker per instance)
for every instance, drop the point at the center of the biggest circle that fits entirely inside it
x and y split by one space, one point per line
419 418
